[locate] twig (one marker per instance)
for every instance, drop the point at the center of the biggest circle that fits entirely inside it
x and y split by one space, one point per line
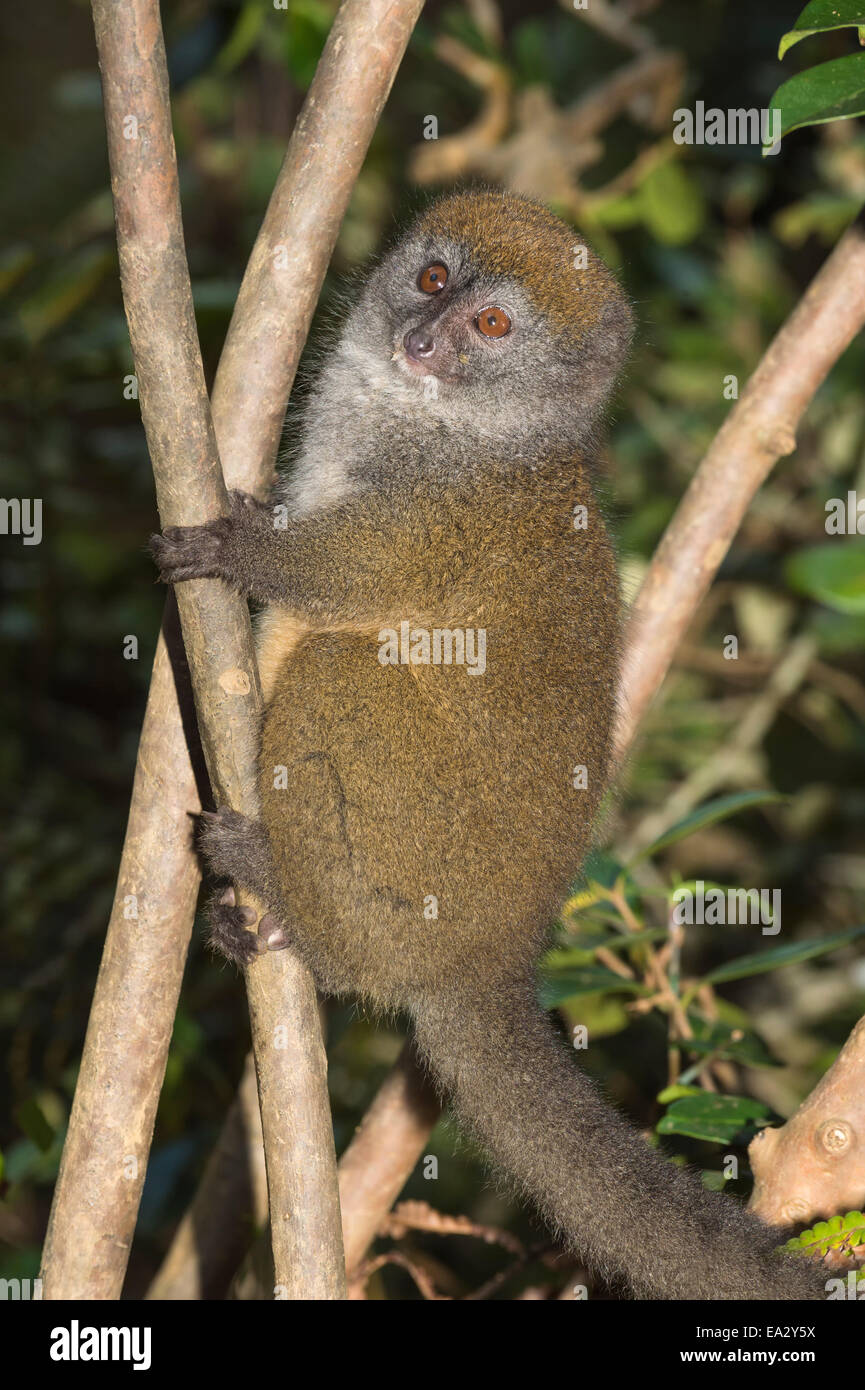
759 430
394 1257
724 764
382 1155
420 1216
104 1158
206 1253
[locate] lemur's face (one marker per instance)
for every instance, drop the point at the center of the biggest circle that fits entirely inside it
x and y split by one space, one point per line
445 319
491 314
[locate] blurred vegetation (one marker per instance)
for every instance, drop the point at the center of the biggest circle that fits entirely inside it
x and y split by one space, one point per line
715 245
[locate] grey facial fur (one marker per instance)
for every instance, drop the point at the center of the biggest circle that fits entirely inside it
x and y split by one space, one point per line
473 389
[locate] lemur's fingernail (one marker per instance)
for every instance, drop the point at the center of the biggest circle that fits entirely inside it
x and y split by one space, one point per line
270 931
228 899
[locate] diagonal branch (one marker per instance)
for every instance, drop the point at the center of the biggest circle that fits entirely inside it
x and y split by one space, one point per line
760 429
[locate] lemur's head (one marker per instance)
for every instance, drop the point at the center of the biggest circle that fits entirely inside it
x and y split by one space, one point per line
491 315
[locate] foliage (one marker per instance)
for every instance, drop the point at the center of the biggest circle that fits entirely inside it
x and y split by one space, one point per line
841 1233
832 91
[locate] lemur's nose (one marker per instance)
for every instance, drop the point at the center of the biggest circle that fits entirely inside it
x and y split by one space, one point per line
419 343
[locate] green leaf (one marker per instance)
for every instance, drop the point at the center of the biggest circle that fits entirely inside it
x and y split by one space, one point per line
830 92
833 573
671 204
720 809
719 1119
243 36
821 16
712 1181
576 948
839 1232
34 1124
777 956
677 1091
554 987
729 1043
839 633
825 215
15 261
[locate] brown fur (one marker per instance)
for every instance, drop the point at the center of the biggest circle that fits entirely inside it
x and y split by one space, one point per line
534 247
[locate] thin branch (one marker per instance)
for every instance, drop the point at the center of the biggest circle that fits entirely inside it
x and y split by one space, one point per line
381 1157
759 430
289 1052
205 1253
139 982
104 1159
420 1216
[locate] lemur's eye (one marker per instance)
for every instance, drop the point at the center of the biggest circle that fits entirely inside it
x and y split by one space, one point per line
493 322
433 279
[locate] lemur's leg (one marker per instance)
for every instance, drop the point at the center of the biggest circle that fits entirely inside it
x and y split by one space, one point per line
236 848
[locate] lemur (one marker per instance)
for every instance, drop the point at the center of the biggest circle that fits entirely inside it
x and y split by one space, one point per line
422 819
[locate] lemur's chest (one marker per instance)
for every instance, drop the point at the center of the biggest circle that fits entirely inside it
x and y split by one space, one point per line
277 634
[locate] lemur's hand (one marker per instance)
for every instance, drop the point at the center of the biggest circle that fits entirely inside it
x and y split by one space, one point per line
205 552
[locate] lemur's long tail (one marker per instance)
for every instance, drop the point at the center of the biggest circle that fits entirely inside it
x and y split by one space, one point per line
518 1091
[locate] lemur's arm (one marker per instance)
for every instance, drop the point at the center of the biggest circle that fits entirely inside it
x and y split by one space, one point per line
360 562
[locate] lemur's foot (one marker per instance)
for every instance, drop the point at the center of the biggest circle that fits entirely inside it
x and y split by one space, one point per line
193 552
237 848
205 552
230 934
229 929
